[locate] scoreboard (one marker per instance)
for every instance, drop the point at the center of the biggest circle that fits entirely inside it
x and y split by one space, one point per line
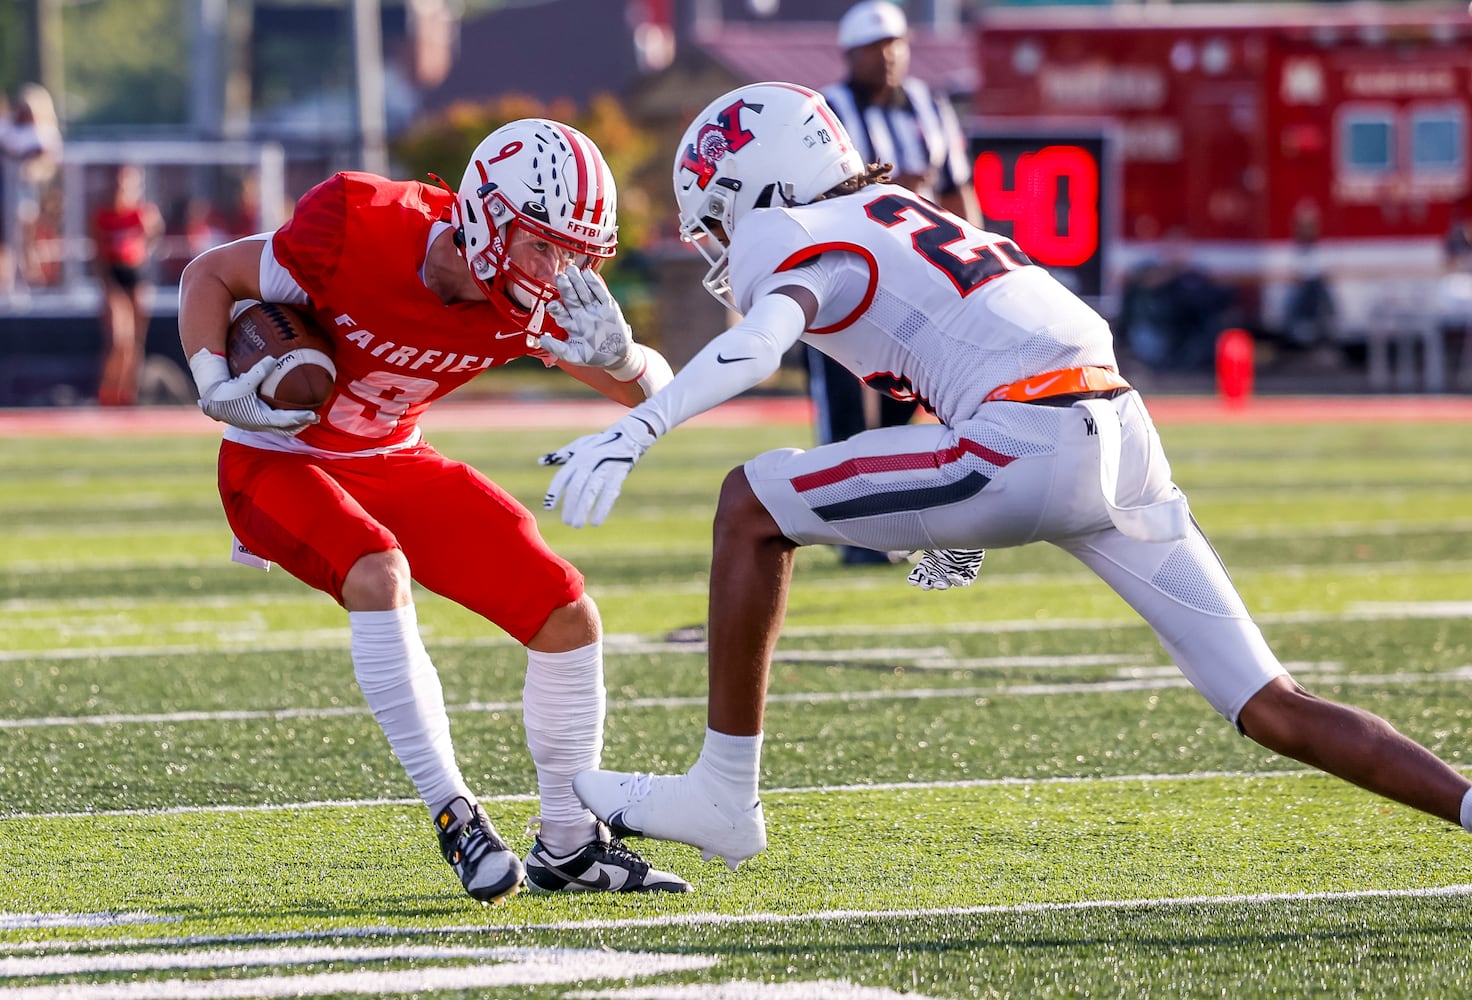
1051 192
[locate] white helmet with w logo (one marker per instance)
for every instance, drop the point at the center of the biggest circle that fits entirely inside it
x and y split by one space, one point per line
547 179
762 145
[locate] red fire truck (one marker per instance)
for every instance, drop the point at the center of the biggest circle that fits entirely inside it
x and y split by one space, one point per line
1259 140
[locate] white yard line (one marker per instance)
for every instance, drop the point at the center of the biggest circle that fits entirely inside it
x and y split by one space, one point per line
882 786
697 920
241 958
279 640
508 968
1147 678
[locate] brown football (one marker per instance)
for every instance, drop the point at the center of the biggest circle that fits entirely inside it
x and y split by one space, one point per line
304 372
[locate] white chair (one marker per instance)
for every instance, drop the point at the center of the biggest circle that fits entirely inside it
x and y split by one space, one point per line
1405 327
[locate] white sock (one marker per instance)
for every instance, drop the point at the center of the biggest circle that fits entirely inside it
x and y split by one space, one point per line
563 707
402 688
1467 811
734 761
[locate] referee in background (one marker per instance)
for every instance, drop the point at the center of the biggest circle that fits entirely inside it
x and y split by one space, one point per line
892 118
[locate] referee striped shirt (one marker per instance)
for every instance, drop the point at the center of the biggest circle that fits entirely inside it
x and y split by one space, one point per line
917 133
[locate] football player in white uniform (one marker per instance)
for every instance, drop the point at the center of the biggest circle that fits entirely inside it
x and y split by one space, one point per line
1040 439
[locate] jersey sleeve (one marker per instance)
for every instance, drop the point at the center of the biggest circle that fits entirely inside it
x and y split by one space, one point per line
310 245
763 243
779 250
277 284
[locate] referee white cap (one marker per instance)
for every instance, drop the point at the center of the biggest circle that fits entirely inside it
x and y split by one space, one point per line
871 21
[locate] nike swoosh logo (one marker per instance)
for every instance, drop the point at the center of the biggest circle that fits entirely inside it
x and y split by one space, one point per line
721 359
620 828
508 336
1033 390
602 881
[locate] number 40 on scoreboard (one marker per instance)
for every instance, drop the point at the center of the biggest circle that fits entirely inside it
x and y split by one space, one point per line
1050 192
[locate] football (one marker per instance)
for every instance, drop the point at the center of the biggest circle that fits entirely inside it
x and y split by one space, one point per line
304 372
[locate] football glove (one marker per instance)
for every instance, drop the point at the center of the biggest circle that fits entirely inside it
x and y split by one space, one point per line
593 471
236 401
597 334
942 569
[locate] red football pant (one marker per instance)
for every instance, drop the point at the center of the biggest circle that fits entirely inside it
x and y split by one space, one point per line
465 538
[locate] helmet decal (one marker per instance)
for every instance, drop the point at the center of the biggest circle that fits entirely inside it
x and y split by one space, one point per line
715 140
793 149
539 178
510 149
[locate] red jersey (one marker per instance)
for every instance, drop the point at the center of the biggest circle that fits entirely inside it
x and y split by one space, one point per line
356 245
122 237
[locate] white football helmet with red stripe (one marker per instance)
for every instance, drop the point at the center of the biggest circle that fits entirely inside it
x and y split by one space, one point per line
762 145
543 177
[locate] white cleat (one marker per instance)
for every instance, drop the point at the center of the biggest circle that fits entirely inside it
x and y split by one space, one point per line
679 807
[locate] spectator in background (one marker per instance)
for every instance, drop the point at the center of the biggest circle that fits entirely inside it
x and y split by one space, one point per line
1310 312
243 218
893 118
202 227
125 229
191 227
1454 295
1459 237
30 142
1173 310
7 265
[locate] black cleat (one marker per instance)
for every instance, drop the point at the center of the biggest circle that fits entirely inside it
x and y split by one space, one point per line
488 869
606 864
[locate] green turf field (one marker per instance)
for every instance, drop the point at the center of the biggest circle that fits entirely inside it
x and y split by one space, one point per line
1006 791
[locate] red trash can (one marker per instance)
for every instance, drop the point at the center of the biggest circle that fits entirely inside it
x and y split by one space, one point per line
1234 366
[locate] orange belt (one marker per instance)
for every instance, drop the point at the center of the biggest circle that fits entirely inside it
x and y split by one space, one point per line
1067 382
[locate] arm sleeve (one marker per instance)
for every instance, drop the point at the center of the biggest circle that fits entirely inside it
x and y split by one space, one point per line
733 362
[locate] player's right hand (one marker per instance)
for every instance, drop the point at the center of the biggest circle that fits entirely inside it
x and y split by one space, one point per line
593 470
236 401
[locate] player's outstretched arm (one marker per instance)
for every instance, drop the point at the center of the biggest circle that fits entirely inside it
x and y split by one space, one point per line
600 346
594 467
593 470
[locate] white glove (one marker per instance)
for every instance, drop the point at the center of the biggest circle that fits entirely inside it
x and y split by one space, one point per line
597 335
236 401
593 471
942 569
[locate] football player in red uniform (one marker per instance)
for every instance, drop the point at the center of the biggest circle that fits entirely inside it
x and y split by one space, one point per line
421 289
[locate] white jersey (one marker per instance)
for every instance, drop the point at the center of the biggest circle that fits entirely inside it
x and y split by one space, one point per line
915 301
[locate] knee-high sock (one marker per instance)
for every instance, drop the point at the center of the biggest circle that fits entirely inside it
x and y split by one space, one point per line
403 690
563 709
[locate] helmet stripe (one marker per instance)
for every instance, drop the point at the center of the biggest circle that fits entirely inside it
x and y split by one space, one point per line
823 109
584 161
594 174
